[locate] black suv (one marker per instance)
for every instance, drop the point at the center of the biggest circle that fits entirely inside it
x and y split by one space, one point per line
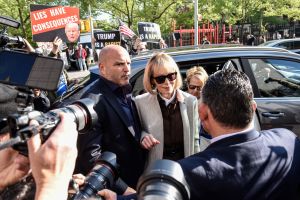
274 74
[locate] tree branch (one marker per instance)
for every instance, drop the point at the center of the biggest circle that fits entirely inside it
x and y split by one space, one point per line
164 10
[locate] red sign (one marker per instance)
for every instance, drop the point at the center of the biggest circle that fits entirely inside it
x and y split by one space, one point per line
53 18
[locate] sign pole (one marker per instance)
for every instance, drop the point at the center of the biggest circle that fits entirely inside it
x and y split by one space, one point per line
92 30
195 22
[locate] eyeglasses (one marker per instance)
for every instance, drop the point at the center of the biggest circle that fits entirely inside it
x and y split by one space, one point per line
192 87
162 79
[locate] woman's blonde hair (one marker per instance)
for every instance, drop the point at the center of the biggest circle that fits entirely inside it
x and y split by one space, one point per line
155 62
196 71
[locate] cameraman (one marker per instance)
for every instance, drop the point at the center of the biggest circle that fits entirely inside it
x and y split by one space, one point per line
52 163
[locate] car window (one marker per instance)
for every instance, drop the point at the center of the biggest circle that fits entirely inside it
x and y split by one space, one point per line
210 66
276 78
285 45
296 44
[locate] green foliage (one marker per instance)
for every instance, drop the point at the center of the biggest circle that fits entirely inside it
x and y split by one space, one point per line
162 12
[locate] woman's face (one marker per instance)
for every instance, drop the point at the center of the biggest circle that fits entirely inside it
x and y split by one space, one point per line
195 86
167 74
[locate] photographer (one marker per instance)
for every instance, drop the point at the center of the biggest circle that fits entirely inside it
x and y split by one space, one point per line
40 101
52 163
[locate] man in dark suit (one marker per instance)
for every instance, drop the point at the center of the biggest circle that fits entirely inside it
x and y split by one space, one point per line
118 126
240 163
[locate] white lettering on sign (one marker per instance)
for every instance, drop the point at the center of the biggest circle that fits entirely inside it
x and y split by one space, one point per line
40 15
150 29
151 36
106 36
57 11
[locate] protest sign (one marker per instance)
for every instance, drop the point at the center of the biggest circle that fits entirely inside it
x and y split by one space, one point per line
47 22
104 38
149 32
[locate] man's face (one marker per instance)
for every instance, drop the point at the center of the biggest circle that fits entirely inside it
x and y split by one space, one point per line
72 32
116 66
36 92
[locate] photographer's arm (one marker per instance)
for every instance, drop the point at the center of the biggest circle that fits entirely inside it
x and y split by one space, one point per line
53 162
28 46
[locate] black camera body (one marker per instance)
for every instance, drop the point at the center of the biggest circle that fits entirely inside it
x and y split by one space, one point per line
5 39
81 111
102 176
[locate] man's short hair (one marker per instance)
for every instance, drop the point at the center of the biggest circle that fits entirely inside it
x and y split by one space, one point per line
72 24
229 96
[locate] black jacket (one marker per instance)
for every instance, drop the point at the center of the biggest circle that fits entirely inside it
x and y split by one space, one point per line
251 165
41 103
111 133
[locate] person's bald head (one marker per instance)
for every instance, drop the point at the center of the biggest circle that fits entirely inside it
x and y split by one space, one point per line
114 64
110 49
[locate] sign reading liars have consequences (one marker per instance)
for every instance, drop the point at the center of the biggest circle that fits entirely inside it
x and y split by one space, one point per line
47 22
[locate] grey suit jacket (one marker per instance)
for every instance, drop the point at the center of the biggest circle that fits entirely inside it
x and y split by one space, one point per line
152 122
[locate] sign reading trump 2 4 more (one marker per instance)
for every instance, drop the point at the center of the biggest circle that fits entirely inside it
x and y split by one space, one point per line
104 38
47 22
149 32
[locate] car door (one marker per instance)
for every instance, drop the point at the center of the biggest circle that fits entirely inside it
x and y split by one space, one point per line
278 99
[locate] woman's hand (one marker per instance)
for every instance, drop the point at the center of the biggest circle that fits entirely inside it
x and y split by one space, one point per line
148 142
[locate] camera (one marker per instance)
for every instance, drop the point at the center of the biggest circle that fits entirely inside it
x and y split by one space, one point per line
81 111
102 176
6 40
164 180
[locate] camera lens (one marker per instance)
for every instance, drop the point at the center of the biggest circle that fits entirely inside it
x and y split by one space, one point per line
103 175
83 113
164 180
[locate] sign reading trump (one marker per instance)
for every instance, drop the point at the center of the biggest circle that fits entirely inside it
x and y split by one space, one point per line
104 38
47 22
149 32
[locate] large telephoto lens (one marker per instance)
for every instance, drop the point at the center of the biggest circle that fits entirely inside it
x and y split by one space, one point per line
103 175
82 112
164 180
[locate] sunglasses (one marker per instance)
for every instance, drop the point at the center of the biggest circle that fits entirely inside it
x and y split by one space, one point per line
192 87
162 79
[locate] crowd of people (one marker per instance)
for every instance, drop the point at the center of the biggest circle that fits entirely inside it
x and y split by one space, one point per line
234 162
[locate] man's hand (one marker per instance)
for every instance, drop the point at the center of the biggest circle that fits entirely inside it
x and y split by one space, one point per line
149 142
79 179
108 194
56 43
28 46
13 166
53 162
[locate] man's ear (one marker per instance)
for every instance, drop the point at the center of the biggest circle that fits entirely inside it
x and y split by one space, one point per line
203 111
101 69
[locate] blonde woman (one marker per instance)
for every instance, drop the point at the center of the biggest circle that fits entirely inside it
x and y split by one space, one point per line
195 79
169 116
